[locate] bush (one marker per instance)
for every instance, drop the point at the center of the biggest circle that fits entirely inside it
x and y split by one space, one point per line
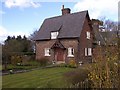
76 76
72 64
16 59
43 61
31 63
104 74
62 65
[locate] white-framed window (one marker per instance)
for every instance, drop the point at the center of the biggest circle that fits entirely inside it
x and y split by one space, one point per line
98 42
85 51
88 35
88 51
54 35
70 52
47 51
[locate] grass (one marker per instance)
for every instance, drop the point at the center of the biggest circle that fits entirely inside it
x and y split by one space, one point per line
43 78
10 66
29 65
25 65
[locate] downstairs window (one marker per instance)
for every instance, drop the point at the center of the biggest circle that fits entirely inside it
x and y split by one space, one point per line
70 52
47 51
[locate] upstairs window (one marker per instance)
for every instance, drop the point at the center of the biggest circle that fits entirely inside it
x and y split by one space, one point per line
54 35
88 35
47 51
70 52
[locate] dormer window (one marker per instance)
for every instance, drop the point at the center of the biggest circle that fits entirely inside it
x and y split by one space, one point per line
88 35
54 35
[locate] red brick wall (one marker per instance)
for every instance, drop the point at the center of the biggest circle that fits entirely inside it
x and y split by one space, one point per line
85 43
70 43
41 45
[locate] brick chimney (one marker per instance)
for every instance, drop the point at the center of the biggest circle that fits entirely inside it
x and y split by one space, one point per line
65 10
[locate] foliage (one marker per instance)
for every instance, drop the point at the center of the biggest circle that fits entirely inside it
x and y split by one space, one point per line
43 61
32 36
20 67
104 73
72 64
63 65
31 63
77 76
16 59
14 45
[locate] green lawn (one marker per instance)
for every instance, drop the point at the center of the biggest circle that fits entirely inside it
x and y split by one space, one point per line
43 78
10 66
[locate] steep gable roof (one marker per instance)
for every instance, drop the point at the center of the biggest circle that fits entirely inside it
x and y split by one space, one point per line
69 26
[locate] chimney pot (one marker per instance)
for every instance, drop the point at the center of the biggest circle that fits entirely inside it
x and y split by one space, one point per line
65 10
62 6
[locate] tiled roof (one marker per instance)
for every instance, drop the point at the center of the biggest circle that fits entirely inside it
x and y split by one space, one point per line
69 26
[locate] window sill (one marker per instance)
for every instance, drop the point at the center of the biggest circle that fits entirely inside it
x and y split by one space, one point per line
53 38
88 38
70 56
47 55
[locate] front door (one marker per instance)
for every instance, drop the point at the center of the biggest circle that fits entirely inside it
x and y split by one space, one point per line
59 54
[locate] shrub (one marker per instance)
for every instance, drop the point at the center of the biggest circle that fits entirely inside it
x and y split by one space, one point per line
16 59
72 64
77 76
104 74
43 61
62 65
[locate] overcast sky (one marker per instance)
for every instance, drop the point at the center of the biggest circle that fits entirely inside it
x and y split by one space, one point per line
22 17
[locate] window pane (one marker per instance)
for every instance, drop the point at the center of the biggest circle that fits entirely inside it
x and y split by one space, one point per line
89 51
47 51
54 35
85 51
98 42
71 52
88 35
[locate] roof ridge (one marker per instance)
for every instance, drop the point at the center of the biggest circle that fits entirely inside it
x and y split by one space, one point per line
67 14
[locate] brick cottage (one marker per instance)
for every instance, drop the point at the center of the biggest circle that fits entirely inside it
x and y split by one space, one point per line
66 37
